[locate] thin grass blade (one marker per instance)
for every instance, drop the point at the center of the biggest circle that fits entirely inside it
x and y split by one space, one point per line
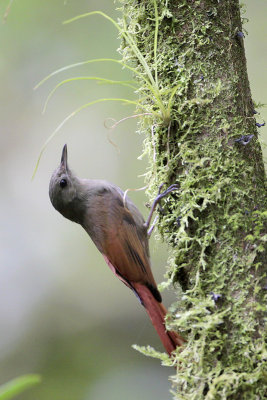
18 385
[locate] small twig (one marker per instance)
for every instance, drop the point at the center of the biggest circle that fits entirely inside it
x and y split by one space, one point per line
123 119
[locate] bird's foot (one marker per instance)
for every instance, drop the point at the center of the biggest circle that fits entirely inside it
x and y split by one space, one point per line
156 202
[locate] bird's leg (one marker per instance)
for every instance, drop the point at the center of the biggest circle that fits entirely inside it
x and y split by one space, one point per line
150 230
154 205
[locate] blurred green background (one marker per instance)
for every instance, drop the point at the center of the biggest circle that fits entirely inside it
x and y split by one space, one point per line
62 312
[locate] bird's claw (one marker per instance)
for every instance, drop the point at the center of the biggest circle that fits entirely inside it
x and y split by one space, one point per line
157 202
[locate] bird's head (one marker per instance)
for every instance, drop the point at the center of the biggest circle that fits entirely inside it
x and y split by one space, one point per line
63 186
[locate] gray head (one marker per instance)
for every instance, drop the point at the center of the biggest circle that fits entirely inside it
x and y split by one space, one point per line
63 188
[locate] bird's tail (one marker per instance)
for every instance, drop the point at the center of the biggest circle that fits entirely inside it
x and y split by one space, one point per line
157 313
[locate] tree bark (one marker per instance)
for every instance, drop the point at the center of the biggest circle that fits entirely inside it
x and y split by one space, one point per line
215 222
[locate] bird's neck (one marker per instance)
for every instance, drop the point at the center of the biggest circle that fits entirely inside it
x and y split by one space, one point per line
75 208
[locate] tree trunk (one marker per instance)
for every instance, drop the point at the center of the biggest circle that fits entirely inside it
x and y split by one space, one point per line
215 221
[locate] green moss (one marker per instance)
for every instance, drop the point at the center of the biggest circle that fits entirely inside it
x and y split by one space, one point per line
215 222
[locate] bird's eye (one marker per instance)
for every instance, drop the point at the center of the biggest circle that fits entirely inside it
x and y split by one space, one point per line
63 183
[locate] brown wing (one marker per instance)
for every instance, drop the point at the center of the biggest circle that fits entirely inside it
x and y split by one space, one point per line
126 250
123 236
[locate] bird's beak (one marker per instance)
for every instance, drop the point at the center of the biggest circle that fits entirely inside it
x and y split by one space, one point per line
64 158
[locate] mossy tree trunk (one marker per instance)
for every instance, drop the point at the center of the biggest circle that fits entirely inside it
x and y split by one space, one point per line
215 222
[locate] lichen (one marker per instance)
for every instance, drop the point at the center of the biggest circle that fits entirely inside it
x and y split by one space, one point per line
215 222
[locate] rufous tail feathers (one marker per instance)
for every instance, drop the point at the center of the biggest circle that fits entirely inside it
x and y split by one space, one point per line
157 312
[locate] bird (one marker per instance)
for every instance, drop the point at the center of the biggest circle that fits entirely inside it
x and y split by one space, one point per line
119 232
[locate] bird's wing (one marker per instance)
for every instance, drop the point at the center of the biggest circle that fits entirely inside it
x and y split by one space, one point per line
126 244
